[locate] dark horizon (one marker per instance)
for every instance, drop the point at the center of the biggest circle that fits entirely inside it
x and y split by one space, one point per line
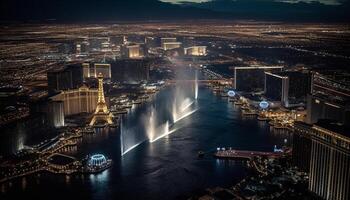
145 10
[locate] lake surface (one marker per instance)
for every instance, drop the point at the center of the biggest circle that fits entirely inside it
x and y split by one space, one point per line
168 168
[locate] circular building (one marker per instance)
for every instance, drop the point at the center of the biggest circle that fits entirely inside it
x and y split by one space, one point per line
231 93
264 105
97 160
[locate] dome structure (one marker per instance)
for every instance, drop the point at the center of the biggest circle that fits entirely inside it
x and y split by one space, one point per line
231 93
97 160
264 104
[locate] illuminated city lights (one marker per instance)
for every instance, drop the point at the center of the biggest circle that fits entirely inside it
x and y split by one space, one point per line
80 96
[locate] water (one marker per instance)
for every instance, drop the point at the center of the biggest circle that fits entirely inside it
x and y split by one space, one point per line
167 168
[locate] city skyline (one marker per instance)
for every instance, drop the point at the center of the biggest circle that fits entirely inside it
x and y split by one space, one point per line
175 100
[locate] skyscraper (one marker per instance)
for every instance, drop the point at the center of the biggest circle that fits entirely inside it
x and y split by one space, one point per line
70 77
91 70
250 79
130 70
323 150
289 87
330 161
329 99
302 146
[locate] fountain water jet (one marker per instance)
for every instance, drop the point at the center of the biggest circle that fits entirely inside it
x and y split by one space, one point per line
196 85
131 148
186 104
124 148
182 111
164 129
185 115
151 126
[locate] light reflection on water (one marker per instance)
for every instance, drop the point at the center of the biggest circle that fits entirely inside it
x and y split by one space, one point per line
151 170
99 178
157 117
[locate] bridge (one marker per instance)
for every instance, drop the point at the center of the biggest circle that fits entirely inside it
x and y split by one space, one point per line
238 154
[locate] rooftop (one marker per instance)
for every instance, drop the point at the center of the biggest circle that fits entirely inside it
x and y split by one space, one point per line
334 126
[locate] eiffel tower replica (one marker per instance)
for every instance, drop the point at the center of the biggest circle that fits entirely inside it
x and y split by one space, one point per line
102 114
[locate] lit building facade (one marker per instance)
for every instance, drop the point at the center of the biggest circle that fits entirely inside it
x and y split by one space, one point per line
92 69
196 51
171 45
82 100
131 51
329 175
323 150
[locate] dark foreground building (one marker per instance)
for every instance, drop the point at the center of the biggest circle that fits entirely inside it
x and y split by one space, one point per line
302 146
70 77
289 87
325 148
252 79
130 70
329 99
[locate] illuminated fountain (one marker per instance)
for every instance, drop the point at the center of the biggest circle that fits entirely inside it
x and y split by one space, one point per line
196 85
97 163
182 111
155 132
161 131
181 108
151 125
161 118
128 140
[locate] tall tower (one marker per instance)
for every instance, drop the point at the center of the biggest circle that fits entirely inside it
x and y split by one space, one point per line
102 114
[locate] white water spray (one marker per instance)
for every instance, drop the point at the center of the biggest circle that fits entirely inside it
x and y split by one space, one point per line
196 85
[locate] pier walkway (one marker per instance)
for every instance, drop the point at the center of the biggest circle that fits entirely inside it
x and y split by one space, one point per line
238 154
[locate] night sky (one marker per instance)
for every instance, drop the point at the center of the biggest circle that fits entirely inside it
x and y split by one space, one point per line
94 10
330 2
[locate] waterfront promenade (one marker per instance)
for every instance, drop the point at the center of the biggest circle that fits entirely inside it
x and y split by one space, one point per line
239 154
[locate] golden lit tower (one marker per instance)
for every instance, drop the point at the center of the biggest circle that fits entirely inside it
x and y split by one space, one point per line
102 114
